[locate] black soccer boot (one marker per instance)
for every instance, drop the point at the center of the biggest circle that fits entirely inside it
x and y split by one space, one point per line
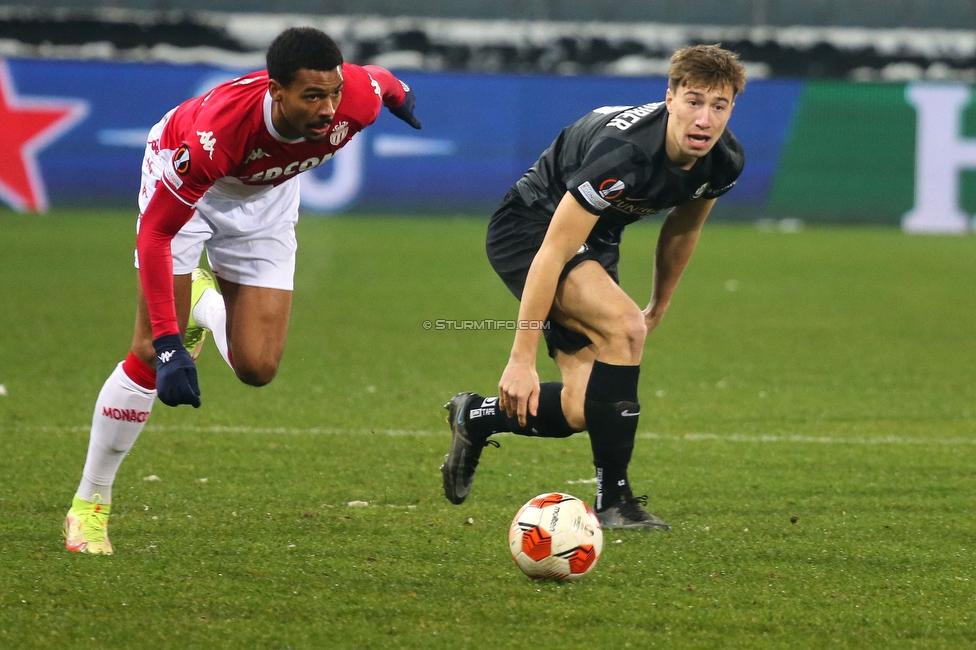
461 462
628 512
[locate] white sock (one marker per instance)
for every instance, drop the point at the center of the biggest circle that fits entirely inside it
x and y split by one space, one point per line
210 313
121 411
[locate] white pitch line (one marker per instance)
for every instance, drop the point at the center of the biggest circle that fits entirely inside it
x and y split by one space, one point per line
422 433
797 438
255 430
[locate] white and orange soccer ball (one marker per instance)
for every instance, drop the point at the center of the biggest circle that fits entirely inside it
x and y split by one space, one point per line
555 536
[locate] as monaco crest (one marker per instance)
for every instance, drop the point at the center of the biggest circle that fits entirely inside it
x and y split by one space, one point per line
339 133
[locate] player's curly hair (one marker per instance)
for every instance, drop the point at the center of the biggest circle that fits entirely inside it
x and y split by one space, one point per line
301 47
710 66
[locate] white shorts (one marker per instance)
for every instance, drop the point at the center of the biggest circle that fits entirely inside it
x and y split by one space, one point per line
249 234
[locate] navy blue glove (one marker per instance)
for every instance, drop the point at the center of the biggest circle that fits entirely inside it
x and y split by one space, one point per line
405 110
176 374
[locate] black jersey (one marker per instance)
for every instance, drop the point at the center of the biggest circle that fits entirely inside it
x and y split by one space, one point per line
613 160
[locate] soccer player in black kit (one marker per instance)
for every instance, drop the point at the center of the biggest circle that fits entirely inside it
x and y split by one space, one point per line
554 242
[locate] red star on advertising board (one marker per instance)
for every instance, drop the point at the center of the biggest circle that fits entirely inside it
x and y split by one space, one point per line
27 125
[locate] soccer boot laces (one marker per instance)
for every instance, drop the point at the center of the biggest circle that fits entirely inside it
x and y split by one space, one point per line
197 334
461 462
86 527
629 513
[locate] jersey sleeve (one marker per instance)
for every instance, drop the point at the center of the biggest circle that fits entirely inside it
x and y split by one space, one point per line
201 159
390 89
732 163
612 169
163 218
717 192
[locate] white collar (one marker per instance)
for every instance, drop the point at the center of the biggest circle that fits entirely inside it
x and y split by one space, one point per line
268 102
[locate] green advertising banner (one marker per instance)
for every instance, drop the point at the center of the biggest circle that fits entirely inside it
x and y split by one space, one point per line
876 153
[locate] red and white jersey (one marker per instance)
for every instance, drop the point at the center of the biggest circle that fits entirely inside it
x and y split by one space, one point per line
226 139
224 145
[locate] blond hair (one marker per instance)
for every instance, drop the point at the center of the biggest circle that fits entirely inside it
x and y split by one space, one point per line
708 66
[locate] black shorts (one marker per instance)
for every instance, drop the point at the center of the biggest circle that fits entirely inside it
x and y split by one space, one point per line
515 234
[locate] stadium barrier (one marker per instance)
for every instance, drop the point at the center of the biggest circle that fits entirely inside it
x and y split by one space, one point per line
885 153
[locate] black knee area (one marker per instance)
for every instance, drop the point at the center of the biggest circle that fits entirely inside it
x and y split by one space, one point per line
612 383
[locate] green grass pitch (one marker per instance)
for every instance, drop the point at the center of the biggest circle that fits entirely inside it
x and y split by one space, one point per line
808 420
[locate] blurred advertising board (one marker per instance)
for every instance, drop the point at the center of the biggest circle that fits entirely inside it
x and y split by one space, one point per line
74 134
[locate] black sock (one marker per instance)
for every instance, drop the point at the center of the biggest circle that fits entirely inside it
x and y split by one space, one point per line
611 411
485 418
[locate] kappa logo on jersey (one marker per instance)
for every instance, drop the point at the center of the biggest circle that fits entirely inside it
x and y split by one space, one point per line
166 356
289 170
405 87
632 116
376 86
207 141
611 189
700 191
258 153
339 132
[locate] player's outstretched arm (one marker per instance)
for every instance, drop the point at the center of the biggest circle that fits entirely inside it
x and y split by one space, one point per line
518 388
176 374
405 110
397 96
675 244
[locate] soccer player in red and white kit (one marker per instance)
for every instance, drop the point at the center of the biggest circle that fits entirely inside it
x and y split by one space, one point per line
220 173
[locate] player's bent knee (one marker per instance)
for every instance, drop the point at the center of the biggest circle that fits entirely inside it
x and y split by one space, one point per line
255 379
256 375
628 334
635 328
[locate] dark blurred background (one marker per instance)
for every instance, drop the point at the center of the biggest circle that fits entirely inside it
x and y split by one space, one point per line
817 39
